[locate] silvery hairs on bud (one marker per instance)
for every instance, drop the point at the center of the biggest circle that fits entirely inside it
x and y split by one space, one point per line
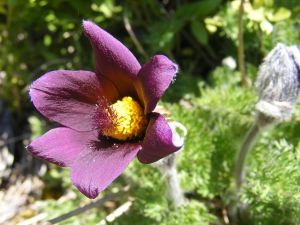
278 82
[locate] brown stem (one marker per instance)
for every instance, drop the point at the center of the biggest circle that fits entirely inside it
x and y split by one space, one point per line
96 204
241 56
131 33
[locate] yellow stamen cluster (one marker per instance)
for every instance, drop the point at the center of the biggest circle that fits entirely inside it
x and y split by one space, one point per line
128 121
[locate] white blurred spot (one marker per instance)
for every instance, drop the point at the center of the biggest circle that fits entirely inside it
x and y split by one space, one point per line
71 49
229 62
66 34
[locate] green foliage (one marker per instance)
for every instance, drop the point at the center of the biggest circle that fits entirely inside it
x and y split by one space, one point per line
198 29
196 9
265 24
197 34
273 184
37 127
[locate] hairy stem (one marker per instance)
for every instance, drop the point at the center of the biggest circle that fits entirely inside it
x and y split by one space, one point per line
167 166
174 187
246 147
262 122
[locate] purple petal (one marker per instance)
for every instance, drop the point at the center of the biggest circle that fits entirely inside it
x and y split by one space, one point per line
95 168
158 140
153 79
60 145
67 97
113 61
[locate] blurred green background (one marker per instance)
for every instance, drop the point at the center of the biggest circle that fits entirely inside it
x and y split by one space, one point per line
208 98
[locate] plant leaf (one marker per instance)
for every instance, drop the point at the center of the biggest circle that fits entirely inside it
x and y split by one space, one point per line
198 9
279 14
199 31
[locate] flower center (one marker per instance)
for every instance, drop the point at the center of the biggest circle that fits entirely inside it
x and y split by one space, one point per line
127 120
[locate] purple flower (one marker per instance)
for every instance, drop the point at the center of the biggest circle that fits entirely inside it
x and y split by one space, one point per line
106 117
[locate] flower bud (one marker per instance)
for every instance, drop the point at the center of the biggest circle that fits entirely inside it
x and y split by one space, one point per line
278 82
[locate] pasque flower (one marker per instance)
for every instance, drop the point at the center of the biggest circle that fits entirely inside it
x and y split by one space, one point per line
106 117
